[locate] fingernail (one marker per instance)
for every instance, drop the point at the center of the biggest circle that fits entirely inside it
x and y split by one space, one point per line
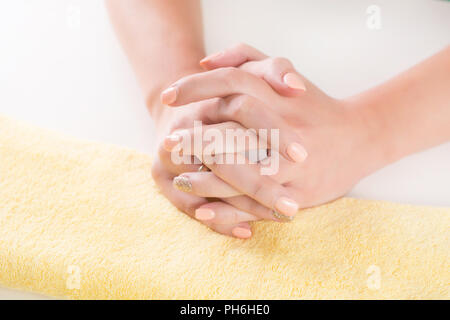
204 214
182 183
297 152
171 141
242 233
294 81
286 206
169 95
211 57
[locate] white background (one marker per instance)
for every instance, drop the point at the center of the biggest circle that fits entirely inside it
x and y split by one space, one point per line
62 68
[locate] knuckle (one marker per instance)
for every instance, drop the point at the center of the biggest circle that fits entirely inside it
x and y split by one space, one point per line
233 125
183 121
179 123
242 105
258 191
209 110
244 100
214 105
189 207
234 111
279 63
228 71
260 210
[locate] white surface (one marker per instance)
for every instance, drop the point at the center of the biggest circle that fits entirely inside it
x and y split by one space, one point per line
62 68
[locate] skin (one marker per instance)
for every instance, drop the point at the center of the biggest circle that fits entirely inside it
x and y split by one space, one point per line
326 145
142 27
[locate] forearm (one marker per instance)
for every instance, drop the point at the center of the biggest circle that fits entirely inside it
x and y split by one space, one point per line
410 112
163 40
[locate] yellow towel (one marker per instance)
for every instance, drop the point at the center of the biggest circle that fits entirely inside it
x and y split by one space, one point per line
85 220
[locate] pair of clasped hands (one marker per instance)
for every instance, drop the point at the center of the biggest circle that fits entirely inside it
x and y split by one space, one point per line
321 142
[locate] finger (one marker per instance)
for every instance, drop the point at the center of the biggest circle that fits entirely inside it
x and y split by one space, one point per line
270 127
232 57
247 178
222 213
177 163
254 208
204 184
216 83
278 72
189 203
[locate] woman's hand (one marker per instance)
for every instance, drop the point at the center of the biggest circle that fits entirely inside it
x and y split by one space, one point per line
326 145
227 215
230 214
163 40
226 218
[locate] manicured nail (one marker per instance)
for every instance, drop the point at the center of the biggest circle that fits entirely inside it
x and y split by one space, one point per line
286 206
211 57
169 95
282 217
204 214
171 141
182 183
294 81
297 152
242 233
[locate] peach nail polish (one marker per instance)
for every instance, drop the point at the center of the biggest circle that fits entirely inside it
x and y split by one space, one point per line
294 81
211 57
169 95
286 206
242 233
204 214
297 152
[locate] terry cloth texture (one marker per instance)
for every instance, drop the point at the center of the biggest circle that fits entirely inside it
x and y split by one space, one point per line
85 220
